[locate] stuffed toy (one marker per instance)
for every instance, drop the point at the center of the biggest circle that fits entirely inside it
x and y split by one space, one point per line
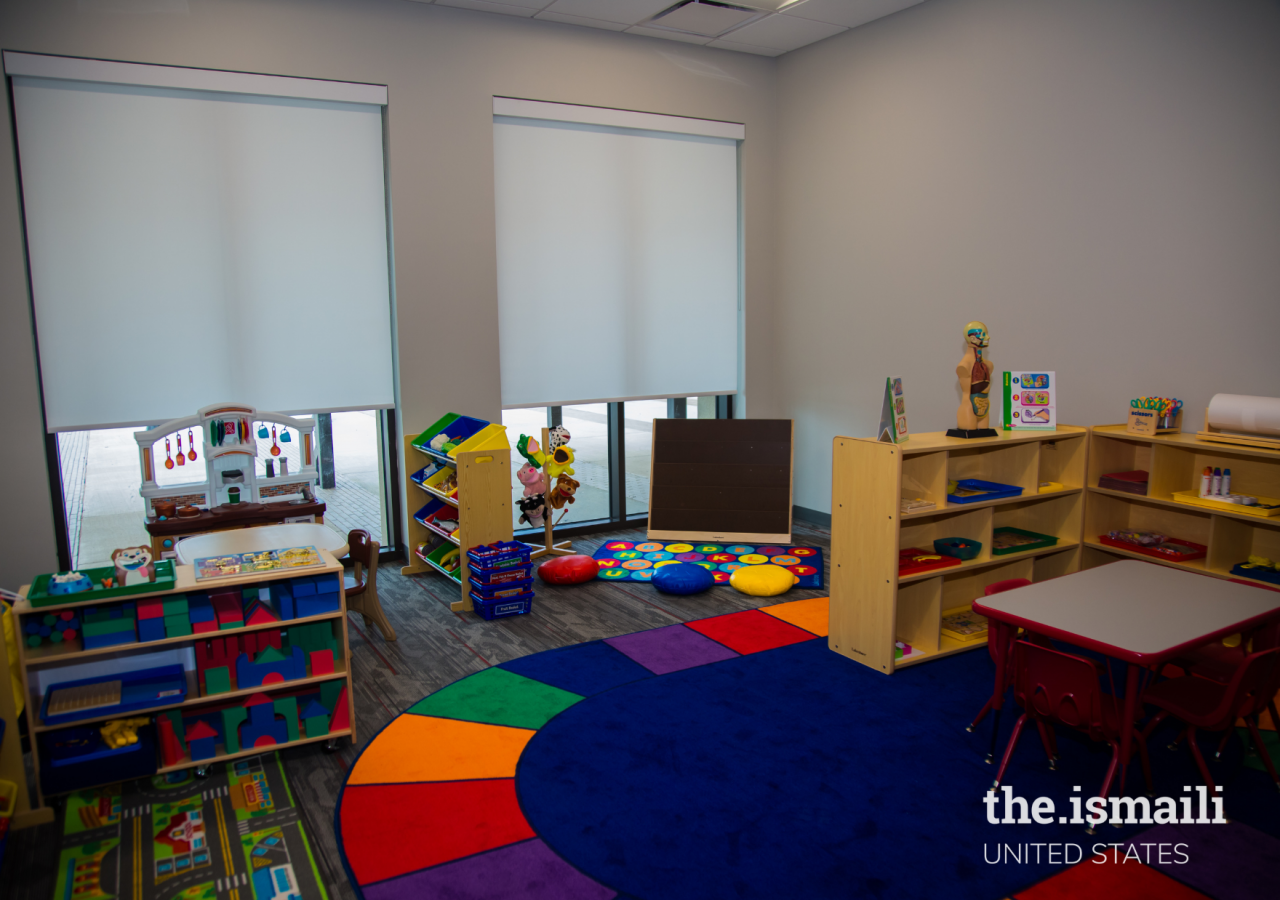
558 436
532 510
563 492
531 478
560 460
133 566
530 450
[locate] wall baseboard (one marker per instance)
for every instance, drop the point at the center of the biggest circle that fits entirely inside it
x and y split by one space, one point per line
812 516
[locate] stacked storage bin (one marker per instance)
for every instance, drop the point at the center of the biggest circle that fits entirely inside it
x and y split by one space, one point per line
501 579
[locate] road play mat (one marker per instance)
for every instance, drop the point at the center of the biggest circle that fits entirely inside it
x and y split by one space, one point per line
234 835
627 561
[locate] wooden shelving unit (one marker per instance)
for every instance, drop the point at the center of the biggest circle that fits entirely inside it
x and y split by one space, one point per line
1174 463
37 662
871 607
483 503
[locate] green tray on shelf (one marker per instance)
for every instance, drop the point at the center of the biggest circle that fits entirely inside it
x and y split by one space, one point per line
39 596
1017 540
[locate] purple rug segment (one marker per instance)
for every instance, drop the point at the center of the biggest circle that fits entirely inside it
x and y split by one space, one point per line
670 649
529 870
1227 862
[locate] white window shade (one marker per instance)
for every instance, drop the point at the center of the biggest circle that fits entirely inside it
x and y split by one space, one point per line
193 246
617 255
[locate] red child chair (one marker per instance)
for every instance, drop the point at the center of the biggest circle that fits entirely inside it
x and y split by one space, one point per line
1204 704
1056 687
993 644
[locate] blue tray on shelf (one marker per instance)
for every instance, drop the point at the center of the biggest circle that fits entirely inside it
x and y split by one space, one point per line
971 490
159 686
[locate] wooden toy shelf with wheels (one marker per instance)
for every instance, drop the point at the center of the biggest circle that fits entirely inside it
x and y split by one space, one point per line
479 464
872 606
308 672
1230 533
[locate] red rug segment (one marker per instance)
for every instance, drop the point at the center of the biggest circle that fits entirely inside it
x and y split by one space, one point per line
750 631
389 830
1114 881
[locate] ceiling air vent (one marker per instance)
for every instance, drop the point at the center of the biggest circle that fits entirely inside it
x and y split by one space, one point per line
703 17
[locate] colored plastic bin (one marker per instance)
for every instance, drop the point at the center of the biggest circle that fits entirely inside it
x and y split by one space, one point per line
501 576
499 609
510 590
499 555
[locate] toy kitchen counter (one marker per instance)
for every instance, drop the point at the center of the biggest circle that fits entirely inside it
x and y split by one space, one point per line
166 533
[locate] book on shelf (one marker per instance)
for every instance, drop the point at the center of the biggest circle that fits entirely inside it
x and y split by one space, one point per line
1134 482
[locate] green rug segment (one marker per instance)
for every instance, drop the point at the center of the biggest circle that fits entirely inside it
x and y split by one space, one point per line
497 697
1270 740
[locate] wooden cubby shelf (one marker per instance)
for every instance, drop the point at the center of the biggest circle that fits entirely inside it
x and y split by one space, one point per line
40 666
483 500
871 606
1174 462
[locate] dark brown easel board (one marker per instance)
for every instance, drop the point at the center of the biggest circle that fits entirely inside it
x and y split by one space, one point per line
721 480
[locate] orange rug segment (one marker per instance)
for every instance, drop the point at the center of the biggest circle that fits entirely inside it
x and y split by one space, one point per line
426 748
812 615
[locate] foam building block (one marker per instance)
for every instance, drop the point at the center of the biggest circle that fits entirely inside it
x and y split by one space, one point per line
226 606
321 663
200 614
288 707
282 594
263 728
316 595
329 693
215 653
341 719
169 730
315 720
108 626
258 613
232 716
217 680
151 629
176 606
204 627
270 666
177 626
201 740
150 609
313 637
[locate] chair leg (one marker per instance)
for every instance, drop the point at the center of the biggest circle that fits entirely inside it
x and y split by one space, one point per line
1252 722
1222 744
1008 751
1110 777
1200 763
1145 759
982 714
373 610
1155 721
1047 740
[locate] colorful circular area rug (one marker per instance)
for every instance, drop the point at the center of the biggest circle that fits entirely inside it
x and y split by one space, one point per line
738 757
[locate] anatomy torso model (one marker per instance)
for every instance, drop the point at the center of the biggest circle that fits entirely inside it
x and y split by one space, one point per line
974 373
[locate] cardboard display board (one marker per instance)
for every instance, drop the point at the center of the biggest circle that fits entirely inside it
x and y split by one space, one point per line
721 480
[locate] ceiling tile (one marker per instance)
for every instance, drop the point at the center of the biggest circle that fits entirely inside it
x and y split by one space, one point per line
509 7
704 18
549 16
849 13
746 48
766 5
628 12
669 35
783 32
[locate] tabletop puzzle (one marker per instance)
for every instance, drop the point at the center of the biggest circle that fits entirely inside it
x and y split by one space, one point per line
628 561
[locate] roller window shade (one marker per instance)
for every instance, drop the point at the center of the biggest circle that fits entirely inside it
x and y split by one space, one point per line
193 246
618 255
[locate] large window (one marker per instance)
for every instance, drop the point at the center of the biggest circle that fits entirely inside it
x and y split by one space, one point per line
618 246
613 446
101 477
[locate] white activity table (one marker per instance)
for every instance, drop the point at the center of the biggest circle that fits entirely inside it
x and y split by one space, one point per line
263 537
1141 613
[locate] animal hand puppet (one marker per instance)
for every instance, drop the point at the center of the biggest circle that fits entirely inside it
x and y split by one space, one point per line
560 461
531 478
558 436
530 450
563 492
532 509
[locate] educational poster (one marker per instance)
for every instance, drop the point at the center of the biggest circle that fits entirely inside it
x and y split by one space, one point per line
893 413
1030 401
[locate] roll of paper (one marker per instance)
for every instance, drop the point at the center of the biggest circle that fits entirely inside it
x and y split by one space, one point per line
1245 414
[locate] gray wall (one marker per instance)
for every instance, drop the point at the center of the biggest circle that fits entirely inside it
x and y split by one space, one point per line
1096 180
442 67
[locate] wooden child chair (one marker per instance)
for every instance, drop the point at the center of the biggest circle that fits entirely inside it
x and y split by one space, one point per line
361 584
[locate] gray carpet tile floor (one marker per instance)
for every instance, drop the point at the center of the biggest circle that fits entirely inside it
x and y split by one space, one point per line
436 646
